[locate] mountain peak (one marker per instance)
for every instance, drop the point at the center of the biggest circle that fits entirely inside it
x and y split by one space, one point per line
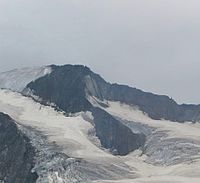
70 86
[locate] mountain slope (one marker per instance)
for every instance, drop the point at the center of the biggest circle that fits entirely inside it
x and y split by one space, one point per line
68 153
94 121
70 86
110 132
65 151
17 79
64 87
16 154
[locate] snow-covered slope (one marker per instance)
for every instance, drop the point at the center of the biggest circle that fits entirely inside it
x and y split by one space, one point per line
68 141
17 79
66 131
69 148
172 150
171 153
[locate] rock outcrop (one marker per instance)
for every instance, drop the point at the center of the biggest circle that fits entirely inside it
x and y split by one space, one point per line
16 154
114 135
68 87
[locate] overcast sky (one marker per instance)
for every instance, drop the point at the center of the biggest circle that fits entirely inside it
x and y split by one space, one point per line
149 44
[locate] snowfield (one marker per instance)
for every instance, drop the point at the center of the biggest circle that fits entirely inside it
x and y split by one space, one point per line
160 162
17 79
174 129
67 138
187 171
68 132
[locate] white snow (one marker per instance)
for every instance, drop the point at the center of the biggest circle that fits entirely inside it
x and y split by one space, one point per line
181 173
17 79
174 129
68 132
71 134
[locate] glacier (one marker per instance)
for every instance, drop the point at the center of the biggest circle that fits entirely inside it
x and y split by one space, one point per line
78 124
64 149
66 153
17 79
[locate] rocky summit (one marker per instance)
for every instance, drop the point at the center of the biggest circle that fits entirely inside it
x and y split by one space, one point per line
66 124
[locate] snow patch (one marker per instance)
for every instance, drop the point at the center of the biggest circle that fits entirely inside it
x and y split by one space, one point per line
17 79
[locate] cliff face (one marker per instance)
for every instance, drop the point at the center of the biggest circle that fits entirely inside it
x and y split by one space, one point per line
110 132
64 87
68 87
156 106
16 154
74 89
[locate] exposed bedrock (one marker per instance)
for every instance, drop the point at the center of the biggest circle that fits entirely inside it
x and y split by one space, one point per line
64 87
68 87
110 132
16 154
156 106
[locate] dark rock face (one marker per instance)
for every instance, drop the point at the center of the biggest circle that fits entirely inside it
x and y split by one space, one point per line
189 113
64 87
156 106
67 86
16 154
114 135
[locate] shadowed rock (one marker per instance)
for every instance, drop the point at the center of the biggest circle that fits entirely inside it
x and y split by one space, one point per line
68 87
114 135
16 154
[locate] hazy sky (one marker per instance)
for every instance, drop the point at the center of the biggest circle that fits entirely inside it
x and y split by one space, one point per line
150 44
